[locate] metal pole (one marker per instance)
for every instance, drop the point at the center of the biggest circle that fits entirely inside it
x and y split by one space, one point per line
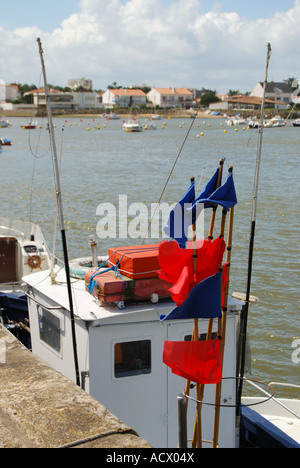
244 316
60 209
182 421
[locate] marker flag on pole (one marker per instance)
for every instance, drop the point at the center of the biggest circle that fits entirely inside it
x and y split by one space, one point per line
224 196
204 301
177 265
178 222
188 209
197 361
209 189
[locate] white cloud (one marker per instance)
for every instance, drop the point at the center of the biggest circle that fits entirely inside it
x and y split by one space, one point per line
142 41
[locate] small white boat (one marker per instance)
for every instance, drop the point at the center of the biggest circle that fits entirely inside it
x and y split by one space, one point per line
236 120
112 116
132 125
268 124
156 117
29 126
296 123
277 121
254 123
23 250
150 126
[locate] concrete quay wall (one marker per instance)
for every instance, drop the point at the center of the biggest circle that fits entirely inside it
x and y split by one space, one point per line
40 408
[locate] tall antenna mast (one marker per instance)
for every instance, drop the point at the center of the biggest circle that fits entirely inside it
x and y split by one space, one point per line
60 210
244 317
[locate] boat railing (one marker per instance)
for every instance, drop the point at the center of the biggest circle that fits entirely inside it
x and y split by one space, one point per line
281 384
274 399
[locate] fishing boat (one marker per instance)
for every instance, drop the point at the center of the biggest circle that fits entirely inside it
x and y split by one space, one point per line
29 126
132 125
156 117
120 343
296 123
120 355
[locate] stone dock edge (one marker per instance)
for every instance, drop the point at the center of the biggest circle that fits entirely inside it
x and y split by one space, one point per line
40 408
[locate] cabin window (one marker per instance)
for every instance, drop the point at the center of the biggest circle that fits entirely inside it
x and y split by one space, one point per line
132 358
50 329
202 337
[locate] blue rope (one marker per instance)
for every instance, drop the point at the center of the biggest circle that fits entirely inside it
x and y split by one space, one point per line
93 283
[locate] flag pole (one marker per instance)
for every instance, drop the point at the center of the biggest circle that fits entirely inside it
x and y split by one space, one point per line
245 311
222 325
197 436
195 325
213 215
195 336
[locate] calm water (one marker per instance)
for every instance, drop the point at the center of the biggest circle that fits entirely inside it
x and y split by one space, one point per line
98 165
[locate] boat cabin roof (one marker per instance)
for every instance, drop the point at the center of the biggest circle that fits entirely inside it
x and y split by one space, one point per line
89 309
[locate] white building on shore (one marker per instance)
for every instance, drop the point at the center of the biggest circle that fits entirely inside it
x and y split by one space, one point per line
69 100
125 97
171 97
278 92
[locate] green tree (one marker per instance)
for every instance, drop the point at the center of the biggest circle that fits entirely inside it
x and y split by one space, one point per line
233 92
209 98
291 83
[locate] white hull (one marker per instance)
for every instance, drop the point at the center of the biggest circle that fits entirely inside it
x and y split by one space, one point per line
132 126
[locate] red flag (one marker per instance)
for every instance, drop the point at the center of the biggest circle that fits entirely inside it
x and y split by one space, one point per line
177 265
197 361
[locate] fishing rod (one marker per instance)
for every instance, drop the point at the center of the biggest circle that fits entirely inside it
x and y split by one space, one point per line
60 210
245 311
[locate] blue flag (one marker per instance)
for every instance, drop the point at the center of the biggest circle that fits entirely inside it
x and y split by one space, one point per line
204 301
224 196
178 222
209 189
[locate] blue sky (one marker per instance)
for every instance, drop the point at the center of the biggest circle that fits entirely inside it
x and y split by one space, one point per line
49 15
46 15
219 45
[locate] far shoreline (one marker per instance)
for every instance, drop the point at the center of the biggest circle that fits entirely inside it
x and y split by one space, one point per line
165 114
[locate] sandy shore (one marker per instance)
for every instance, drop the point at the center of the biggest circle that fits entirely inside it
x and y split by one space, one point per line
176 114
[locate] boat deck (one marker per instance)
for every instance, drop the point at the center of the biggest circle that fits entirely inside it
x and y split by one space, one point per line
283 414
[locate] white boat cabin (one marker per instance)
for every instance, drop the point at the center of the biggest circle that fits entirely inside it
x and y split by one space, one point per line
23 250
120 358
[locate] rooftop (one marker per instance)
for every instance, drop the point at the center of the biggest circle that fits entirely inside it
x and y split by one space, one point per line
254 100
174 91
127 92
